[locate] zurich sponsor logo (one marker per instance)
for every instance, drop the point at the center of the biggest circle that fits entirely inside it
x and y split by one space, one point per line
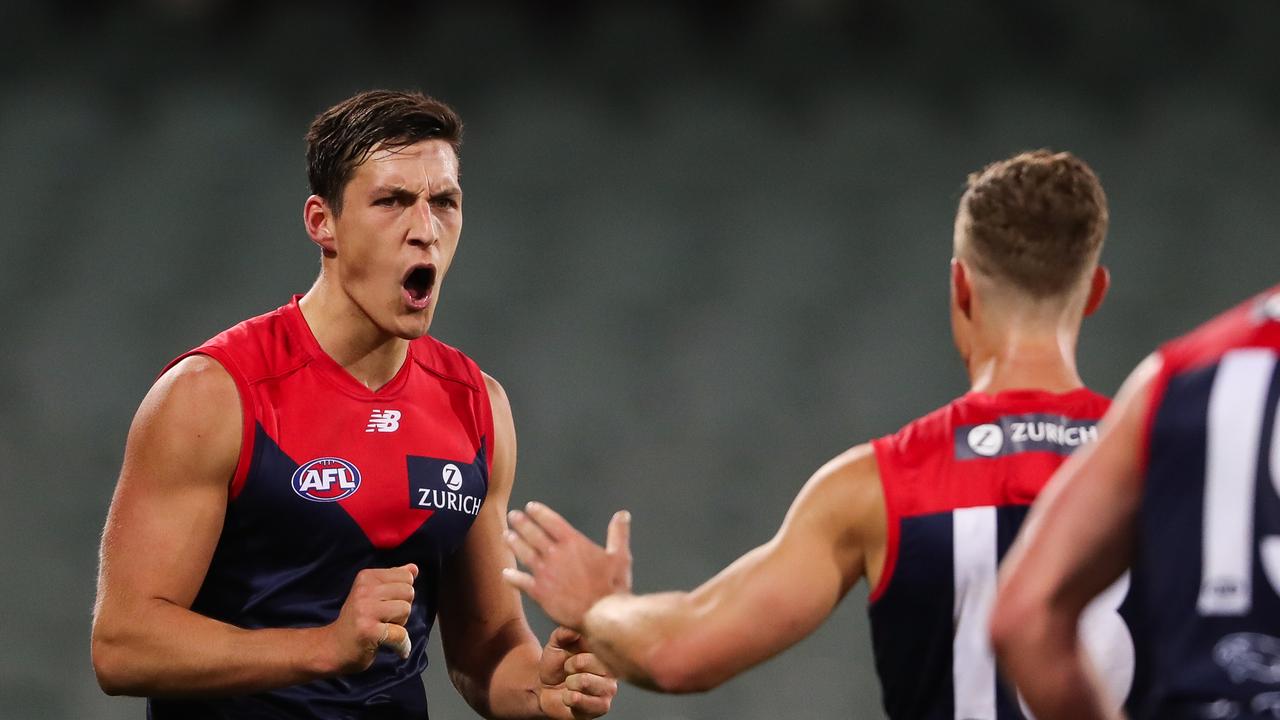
326 479
986 440
1031 432
452 477
449 485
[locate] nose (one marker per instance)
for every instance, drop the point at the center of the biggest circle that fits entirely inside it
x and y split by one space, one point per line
422 225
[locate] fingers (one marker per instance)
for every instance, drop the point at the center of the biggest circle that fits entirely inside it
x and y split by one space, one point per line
518 580
403 574
394 636
618 541
549 520
394 591
524 552
394 611
589 684
377 609
563 637
593 699
530 531
585 663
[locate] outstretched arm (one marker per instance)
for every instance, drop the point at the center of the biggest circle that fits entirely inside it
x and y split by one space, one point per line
1077 541
763 603
493 657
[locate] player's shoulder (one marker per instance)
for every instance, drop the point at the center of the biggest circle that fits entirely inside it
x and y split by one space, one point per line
451 364
1253 323
853 465
847 487
196 378
195 397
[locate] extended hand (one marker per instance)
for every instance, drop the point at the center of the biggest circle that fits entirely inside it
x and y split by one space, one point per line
567 572
575 684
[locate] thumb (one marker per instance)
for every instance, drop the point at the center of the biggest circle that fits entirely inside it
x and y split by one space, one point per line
619 538
562 637
397 638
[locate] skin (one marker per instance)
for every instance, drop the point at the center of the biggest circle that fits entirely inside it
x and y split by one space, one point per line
1077 540
401 207
832 536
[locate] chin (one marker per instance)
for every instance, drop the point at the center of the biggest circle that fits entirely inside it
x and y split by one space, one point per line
413 326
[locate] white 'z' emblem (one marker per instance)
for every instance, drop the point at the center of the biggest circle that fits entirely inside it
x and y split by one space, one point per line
383 421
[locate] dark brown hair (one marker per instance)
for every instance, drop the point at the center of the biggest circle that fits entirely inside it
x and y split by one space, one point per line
1037 220
343 136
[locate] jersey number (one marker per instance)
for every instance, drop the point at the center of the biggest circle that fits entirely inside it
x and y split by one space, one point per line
1237 414
1103 633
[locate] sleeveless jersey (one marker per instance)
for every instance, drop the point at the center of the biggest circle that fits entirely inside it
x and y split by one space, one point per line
957 486
334 478
1206 567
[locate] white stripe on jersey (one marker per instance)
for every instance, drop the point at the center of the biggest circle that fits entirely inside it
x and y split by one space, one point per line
1237 404
973 665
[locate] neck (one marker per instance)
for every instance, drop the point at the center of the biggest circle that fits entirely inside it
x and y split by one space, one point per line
1024 357
345 333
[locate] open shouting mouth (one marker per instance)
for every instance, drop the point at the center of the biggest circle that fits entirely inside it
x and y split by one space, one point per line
418 284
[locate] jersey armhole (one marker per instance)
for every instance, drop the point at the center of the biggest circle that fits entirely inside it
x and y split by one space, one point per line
891 525
246 412
486 417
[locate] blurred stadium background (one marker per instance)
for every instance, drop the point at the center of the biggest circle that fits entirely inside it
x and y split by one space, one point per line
706 246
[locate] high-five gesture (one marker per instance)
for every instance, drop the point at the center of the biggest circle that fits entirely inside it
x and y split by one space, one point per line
567 572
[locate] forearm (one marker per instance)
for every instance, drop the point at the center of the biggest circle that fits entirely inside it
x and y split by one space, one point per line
630 632
158 648
1064 689
507 690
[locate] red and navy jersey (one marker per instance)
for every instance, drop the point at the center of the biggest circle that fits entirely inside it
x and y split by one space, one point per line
1206 572
957 486
334 478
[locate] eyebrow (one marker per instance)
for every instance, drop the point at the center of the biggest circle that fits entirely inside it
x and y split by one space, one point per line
450 189
401 191
398 191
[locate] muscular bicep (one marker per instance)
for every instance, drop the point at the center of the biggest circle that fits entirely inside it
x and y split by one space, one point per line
778 593
168 507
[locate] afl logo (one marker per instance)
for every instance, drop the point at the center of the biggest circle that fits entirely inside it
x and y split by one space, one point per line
986 440
327 479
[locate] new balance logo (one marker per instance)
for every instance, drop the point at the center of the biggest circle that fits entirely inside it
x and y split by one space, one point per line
383 421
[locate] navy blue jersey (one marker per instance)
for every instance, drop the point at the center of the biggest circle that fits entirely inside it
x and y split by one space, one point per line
334 478
1206 568
957 485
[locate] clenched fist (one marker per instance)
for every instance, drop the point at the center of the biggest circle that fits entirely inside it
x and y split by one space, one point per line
373 616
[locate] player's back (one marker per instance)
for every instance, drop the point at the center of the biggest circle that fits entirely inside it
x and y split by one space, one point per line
957 486
1206 567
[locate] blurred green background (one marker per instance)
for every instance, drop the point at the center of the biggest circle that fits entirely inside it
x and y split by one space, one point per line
705 249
